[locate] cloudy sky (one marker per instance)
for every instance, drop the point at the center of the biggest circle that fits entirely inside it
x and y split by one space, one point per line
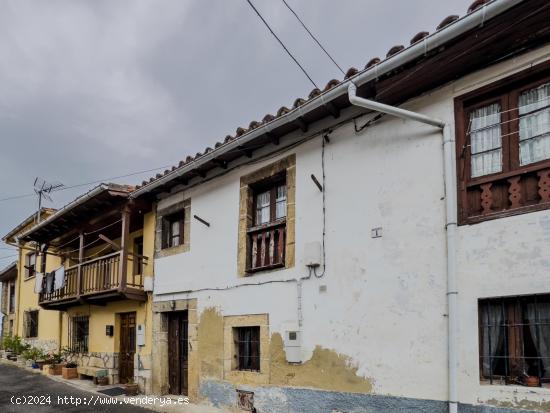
93 89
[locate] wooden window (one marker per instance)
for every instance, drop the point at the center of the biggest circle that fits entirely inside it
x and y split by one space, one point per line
172 230
247 348
31 324
503 148
267 235
30 264
515 340
43 256
137 259
12 297
79 334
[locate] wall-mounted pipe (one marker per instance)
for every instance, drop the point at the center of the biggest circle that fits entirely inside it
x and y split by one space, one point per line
450 223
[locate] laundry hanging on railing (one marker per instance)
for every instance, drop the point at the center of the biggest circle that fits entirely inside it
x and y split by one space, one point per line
39 277
59 278
49 282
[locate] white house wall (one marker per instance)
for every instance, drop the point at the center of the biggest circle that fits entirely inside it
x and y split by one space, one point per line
385 300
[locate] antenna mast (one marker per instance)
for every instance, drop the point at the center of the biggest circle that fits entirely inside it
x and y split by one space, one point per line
43 189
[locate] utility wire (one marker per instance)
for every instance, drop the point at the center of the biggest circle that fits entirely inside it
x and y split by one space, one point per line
314 38
88 183
281 43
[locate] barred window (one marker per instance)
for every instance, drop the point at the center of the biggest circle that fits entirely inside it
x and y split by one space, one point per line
515 340
31 324
78 334
247 348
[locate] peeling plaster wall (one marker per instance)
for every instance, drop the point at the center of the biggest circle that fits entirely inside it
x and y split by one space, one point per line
383 310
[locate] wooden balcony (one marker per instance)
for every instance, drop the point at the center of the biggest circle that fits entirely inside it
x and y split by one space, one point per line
95 281
267 246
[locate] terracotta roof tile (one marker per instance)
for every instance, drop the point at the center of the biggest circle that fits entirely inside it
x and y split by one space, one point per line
331 84
419 36
268 118
282 110
372 62
394 50
351 72
314 92
446 21
298 102
476 5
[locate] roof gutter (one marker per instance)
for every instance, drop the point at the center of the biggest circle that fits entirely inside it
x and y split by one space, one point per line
94 192
431 42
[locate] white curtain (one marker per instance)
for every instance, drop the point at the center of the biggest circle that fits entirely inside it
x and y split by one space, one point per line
541 335
534 125
280 206
485 140
262 208
493 336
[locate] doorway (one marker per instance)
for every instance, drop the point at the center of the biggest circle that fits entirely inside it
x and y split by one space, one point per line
127 347
177 352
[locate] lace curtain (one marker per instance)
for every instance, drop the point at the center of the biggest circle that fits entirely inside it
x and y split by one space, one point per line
485 140
534 125
263 208
493 337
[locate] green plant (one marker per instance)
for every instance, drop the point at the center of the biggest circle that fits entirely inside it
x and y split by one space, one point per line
71 365
54 357
33 353
15 344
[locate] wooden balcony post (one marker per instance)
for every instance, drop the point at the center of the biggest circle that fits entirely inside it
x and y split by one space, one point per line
80 260
123 265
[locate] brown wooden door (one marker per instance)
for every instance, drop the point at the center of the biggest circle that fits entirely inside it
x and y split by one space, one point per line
127 347
177 352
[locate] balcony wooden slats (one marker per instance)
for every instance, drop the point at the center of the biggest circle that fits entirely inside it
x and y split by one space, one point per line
100 280
101 274
267 246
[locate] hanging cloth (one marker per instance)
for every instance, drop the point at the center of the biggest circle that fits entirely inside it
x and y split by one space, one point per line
39 277
59 280
49 282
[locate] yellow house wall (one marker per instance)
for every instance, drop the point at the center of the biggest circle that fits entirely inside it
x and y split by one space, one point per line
49 321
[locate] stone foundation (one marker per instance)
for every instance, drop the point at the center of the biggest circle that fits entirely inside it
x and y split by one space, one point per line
276 399
107 361
44 345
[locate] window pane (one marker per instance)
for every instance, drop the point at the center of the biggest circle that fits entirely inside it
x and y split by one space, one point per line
485 140
175 230
534 125
262 208
280 206
538 318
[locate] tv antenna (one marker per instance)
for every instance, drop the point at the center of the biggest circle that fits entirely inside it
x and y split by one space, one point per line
43 189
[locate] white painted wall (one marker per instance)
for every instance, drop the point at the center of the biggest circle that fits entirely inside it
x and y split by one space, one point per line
385 304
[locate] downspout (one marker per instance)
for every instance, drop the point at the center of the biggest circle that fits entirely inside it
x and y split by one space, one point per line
450 223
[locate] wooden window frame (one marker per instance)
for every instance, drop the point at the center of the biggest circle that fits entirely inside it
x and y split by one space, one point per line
275 225
252 347
503 193
137 258
11 297
167 236
513 340
30 270
31 323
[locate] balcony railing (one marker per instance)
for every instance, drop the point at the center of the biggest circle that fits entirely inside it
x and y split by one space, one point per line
267 246
98 278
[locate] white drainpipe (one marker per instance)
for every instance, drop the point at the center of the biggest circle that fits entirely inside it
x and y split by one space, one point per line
450 224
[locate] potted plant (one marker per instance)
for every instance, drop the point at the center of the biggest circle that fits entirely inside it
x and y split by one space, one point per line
131 388
69 371
55 362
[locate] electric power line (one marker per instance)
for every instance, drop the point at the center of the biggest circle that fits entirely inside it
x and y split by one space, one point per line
281 43
314 38
87 183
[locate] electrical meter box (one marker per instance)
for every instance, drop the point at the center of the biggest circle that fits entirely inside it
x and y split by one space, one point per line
140 335
293 346
312 254
147 284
